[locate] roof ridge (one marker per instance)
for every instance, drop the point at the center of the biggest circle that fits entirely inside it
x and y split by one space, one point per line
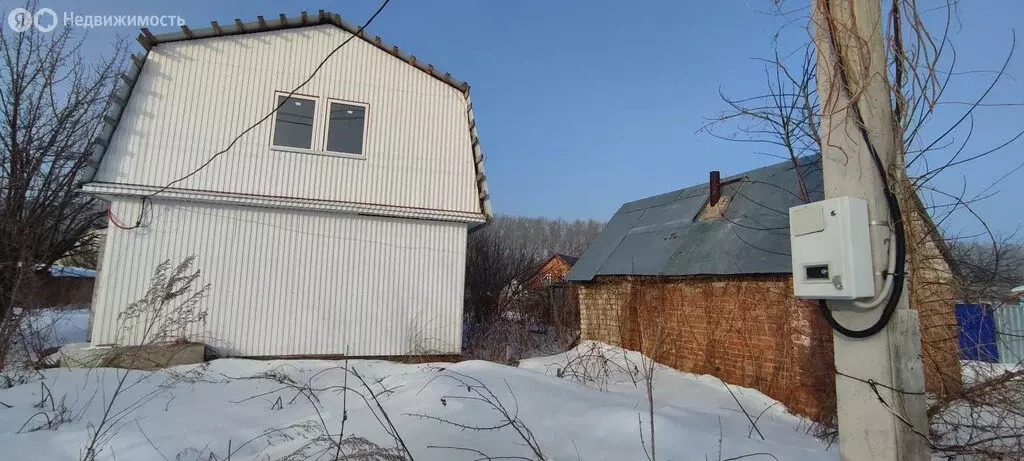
803 161
148 40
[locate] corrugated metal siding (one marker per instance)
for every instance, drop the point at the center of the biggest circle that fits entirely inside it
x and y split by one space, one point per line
291 282
193 97
1010 333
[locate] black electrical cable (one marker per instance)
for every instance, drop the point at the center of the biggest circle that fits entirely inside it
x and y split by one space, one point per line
148 198
895 215
900 247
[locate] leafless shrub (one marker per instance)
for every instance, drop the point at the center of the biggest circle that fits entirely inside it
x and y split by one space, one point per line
985 420
652 335
736 458
52 413
316 445
496 276
169 309
561 303
987 271
319 441
32 340
477 392
16 376
166 290
594 365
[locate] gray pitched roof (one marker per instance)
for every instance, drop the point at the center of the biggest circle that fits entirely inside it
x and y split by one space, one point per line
662 235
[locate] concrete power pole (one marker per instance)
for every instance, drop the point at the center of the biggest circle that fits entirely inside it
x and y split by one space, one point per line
868 428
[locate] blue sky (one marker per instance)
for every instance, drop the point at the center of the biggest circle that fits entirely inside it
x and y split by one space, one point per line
583 105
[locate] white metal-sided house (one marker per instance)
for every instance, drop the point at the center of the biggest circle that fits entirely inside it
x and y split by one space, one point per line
337 226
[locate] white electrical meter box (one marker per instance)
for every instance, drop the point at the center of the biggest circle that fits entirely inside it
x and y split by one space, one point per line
831 249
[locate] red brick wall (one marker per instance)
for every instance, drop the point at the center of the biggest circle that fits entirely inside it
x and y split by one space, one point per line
747 330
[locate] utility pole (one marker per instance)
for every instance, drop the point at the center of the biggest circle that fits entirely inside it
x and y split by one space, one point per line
852 69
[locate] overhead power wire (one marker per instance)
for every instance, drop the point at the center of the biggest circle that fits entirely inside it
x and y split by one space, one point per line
148 198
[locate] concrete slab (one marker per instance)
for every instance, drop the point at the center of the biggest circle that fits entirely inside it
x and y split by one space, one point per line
150 357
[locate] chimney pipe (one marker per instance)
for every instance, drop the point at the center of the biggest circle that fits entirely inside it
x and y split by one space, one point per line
715 184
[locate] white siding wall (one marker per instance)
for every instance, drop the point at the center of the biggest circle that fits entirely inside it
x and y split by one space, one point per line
291 282
193 97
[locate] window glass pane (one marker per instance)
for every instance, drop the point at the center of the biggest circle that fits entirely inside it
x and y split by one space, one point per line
345 128
294 123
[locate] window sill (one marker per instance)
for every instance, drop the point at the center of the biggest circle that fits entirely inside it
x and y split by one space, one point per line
299 150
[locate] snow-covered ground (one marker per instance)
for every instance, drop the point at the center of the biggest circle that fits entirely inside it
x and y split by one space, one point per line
42 330
276 409
57 327
974 371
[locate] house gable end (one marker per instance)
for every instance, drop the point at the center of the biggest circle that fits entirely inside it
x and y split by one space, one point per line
400 91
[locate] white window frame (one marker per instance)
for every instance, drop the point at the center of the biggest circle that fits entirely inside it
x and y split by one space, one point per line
312 137
321 121
327 126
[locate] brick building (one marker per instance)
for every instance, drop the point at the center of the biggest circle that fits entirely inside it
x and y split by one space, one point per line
700 279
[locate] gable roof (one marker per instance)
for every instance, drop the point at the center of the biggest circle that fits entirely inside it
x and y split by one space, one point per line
663 235
148 40
569 260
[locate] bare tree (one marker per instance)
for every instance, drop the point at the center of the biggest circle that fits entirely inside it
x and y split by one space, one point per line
52 103
540 237
496 276
988 271
503 298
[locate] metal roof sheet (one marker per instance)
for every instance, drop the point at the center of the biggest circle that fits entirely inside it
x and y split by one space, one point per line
663 235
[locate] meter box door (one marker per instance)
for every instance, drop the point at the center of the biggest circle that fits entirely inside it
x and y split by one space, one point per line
831 249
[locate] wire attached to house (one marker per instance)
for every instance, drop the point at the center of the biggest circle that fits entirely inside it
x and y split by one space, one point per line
148 198
113 220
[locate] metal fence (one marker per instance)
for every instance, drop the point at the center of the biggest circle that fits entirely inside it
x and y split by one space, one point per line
1010 333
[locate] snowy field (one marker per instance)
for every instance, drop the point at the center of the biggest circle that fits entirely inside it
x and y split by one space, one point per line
287 409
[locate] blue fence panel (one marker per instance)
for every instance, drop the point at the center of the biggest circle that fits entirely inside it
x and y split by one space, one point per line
977 332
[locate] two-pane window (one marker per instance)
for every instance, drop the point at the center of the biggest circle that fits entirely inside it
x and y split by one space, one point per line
298 122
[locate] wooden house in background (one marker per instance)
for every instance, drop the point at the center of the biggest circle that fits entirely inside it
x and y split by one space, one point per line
552 271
